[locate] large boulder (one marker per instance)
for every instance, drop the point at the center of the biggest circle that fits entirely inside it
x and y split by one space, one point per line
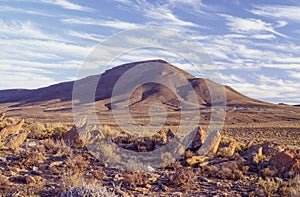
199 138
211 144
285 163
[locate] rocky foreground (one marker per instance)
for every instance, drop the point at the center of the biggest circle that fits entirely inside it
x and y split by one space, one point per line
51 160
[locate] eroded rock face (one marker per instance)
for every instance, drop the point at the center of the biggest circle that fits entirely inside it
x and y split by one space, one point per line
211 144
199 139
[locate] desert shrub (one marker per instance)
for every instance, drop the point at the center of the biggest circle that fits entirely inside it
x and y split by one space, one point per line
269 185
294 186
267 172
188 153
59 148
225 173
38 185
2 142
77 162
72 178
88 191
57 133
107 131
33 195
42 131
98 173
3 125
184 178
30 158
135 179
37 130
4 182
75 169
210 170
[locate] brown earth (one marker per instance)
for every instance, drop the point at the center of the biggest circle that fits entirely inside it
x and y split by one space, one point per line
245 164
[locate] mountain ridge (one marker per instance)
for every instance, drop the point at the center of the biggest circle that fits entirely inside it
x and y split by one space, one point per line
63 90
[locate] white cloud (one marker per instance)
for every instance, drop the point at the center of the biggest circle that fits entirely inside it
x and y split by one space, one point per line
10 80
239 51
93 37
66 4
22 65
19 48
270 89
22 29
232 79
164 15
189 2
249 25
29 55
278 11
282 66
123 1
294 74
26 11
99 22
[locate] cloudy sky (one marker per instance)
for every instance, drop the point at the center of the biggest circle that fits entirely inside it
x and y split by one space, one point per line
255 45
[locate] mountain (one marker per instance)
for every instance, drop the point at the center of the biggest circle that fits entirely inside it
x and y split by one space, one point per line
162 79
108 80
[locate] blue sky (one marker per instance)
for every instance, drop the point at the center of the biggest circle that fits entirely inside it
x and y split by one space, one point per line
254 44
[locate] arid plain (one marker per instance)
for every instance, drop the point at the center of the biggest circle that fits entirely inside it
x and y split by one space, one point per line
256 152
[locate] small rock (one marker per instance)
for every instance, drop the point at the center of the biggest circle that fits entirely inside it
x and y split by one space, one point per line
196 159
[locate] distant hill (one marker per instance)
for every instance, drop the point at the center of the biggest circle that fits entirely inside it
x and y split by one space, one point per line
57 98
63 91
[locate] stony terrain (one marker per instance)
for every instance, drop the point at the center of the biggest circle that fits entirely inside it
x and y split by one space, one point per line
256 151
52 161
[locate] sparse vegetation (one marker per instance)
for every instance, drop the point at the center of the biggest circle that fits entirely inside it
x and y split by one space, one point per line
88 190
45 165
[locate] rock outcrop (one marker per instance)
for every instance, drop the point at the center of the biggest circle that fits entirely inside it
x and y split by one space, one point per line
285 163
199 139
9 130
72 138
211 144
17 139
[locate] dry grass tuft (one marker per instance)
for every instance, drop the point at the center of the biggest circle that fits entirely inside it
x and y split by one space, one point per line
88 190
